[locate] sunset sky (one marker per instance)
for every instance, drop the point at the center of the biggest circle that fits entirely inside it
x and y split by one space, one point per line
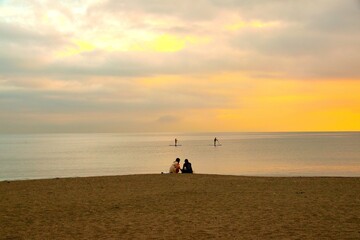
162 65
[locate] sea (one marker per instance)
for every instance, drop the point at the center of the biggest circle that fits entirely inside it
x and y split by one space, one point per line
38 156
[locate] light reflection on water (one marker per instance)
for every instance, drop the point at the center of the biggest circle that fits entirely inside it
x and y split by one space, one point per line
275 154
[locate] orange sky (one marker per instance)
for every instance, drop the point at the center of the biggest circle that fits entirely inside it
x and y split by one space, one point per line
102 66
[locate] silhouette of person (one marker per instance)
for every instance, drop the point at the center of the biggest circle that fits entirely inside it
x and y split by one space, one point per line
187 167
176 142
175 166
215 141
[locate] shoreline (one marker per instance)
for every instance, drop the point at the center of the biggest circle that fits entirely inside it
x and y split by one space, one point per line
165 173
162 206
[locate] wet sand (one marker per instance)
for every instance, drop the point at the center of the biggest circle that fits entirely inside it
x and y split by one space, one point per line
181 207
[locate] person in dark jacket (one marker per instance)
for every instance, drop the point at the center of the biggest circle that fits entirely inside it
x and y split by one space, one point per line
187 167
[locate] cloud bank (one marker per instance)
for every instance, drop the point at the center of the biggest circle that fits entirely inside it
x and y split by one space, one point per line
136 65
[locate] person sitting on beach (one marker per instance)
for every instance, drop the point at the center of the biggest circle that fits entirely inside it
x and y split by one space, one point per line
175 166
187 167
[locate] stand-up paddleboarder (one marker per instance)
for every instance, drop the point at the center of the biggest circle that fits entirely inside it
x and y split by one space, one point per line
176 142
215 141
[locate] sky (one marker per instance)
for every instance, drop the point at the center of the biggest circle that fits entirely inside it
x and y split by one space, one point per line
179 66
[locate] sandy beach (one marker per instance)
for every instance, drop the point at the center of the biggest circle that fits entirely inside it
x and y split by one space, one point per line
181 207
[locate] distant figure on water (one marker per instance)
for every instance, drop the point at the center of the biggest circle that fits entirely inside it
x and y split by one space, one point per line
187 167
176 142
175 166
215 141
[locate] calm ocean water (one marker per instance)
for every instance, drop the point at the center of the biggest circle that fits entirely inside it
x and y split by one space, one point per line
35 156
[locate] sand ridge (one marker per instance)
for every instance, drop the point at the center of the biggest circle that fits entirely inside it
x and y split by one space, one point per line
181 206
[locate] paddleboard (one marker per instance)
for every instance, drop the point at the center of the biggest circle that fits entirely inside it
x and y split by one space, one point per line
176 145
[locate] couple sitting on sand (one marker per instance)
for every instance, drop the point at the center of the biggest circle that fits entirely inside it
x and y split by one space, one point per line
175 167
